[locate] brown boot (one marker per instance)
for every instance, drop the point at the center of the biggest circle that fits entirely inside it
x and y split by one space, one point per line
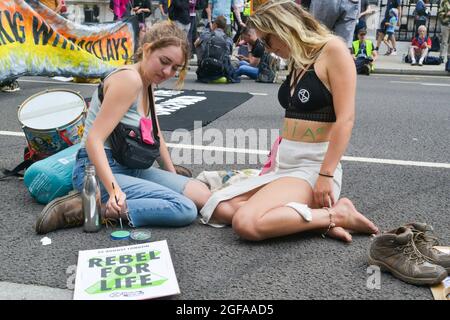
63 212
396 252
425 241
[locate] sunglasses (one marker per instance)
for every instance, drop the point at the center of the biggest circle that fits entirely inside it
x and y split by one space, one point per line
266 41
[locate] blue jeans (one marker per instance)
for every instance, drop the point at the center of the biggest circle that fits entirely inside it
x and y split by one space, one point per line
247 70
154 196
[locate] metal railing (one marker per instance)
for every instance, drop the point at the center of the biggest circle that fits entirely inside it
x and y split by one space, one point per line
407 28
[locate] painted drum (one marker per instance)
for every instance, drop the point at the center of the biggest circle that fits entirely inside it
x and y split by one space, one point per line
52 120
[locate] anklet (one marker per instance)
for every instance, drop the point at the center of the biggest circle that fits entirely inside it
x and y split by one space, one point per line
331 225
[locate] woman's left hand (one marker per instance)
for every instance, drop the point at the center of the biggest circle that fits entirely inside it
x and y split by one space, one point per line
323 192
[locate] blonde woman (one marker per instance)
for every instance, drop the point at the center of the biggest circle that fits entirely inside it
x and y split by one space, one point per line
301 189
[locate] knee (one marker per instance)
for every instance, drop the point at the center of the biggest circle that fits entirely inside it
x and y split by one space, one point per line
186 214
246 227
224 208
198 192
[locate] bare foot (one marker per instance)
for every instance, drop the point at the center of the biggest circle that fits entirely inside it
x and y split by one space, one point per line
349 218
340 234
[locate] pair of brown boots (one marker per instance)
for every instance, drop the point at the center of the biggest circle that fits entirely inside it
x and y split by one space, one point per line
408 253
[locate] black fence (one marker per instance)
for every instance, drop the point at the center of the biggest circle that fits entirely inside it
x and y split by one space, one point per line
408 22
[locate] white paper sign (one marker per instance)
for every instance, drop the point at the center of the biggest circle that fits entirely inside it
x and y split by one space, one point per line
142 271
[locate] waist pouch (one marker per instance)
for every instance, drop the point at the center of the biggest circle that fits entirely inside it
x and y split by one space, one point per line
127 143
129 149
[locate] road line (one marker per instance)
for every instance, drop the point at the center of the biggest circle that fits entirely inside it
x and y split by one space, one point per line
11 133
409 76
58 82
265 152
423 83
258 94
344 158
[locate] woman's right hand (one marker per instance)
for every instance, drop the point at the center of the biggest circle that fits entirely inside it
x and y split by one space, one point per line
113 207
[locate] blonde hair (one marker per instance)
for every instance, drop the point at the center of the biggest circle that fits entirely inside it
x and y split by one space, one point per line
164 34
295 27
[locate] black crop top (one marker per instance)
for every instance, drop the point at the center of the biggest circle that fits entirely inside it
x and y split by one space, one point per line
311 99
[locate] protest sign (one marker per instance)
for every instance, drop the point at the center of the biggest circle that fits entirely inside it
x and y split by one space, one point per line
142 271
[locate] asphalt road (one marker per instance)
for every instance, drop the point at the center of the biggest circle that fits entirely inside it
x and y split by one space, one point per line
396 170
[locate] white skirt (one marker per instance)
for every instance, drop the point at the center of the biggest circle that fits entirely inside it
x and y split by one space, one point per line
293 159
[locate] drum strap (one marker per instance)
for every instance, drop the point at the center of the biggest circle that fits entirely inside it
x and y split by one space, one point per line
16 171
30 158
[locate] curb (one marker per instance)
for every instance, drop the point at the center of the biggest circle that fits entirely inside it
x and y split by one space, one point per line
412 72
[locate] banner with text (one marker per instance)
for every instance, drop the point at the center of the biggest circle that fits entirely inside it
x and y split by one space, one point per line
36 41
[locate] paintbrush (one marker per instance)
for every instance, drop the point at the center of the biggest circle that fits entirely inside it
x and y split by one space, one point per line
117 202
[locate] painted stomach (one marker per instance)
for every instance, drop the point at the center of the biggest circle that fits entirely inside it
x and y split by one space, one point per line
306 131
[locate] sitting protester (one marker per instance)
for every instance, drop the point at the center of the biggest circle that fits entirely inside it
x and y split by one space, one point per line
420 45
364 53
213 53
131 189
248 65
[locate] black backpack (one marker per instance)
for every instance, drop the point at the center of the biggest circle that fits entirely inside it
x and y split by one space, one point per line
435 44
215 51
267 69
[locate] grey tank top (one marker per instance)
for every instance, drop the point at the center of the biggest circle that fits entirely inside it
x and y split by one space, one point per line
132 117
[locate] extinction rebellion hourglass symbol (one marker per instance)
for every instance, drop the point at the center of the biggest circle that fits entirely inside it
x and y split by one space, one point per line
303 95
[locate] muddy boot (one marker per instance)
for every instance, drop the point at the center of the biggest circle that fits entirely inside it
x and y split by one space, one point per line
63 212
397 253
425 241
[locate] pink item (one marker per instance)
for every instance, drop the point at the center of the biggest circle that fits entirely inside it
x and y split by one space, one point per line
271 157
120 7
146 130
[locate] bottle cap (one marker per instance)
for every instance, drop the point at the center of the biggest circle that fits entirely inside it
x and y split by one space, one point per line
120 235
141 234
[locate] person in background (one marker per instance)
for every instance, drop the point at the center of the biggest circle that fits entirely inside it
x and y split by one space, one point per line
444 20
120 8
223 8
192 34
142 9
140 197
381 32
239 6
420 45
340 16
364 53
300 190
390 33
163 7
421 14
365 12
248 65
181 15
214 48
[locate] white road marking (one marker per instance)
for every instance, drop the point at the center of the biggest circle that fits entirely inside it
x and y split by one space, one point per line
11 133
265 152
58 82
424 83
409 76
